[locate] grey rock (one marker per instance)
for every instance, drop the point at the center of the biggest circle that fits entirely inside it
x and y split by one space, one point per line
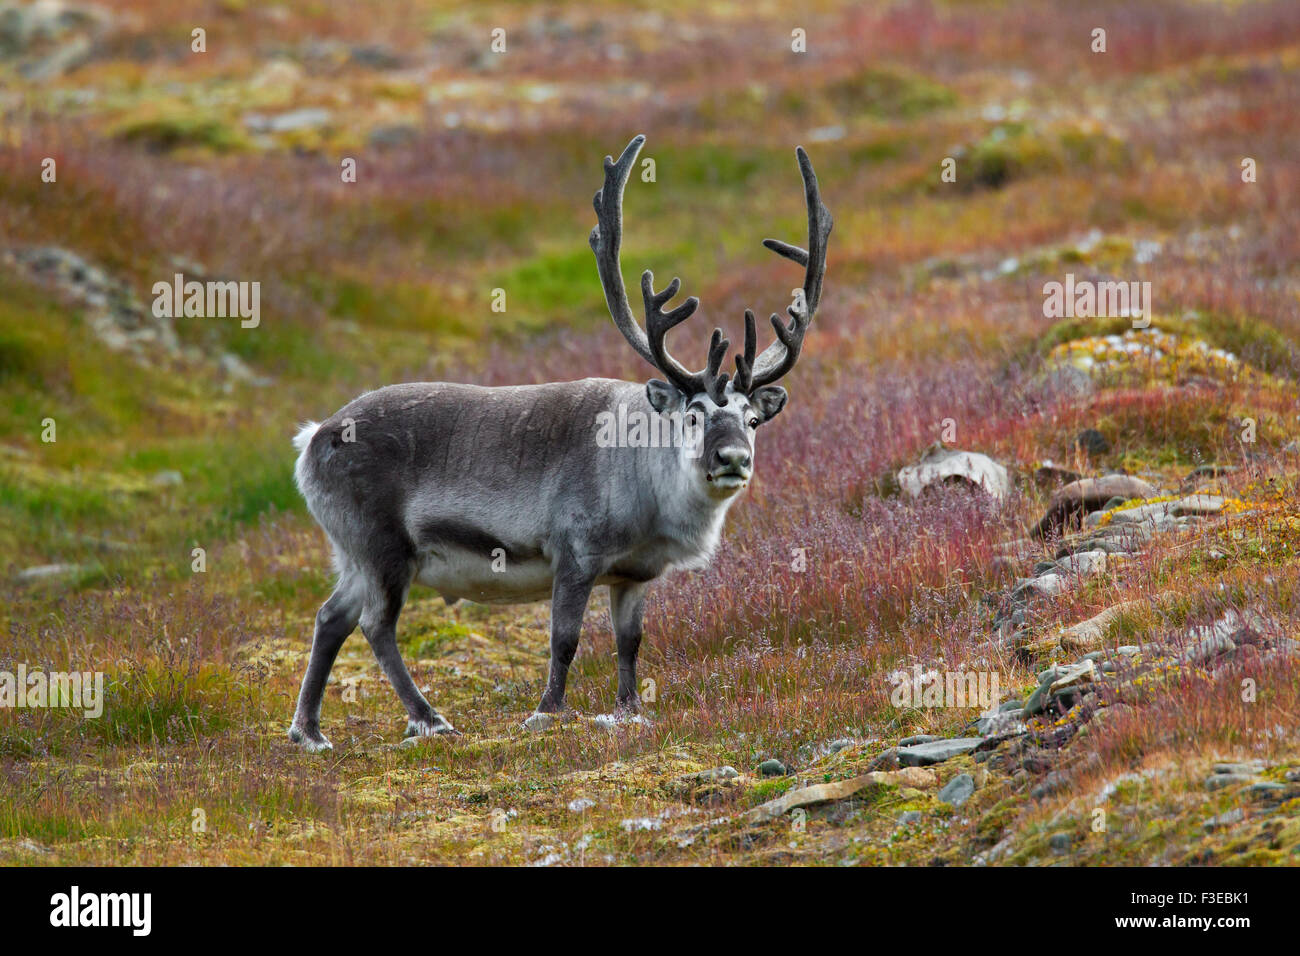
936 751
1221 781
1003 722
908 817
1043 586
958 790
1198 505
1245 766
1266 789
940 465
772 768
918 739
1060 843
398 134
311 117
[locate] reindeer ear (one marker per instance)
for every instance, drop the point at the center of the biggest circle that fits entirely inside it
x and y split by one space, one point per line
768 401
661 395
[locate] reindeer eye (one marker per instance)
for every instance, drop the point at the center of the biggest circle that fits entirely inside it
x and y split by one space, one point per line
691 420
753 423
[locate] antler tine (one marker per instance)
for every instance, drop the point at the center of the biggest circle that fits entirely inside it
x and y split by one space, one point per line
779 357
658 323
606 238
745 363
715 381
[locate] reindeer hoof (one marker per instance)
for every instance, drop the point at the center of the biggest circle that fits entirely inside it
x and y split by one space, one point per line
540 721
438 726
313 742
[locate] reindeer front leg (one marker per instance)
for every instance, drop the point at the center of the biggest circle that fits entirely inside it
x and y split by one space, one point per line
569 595
626 609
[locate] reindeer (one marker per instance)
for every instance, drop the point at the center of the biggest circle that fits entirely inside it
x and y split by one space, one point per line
503 495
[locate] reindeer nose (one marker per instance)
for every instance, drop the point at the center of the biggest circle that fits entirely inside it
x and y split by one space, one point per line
731 458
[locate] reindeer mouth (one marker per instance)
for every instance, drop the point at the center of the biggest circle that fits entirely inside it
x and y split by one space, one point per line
729 479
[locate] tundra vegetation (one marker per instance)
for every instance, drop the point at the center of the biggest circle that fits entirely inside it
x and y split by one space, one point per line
1141 622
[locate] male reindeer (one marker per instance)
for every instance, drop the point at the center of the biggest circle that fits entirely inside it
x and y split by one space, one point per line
435 482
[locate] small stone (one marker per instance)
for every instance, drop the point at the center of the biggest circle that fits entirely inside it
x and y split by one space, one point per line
717 773
580 804
1092 442
908 817
1011 705
1055 781
1266 789
1074 676
1046 677
835 746
1003 722
958 790
1207 649
918 739
1090 634
1084 563
299 119
1060 843
772 768
43 571
1045 585
539 722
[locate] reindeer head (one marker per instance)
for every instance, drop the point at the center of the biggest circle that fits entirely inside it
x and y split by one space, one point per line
723 411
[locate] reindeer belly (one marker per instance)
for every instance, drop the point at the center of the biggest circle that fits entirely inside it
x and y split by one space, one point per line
458 573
